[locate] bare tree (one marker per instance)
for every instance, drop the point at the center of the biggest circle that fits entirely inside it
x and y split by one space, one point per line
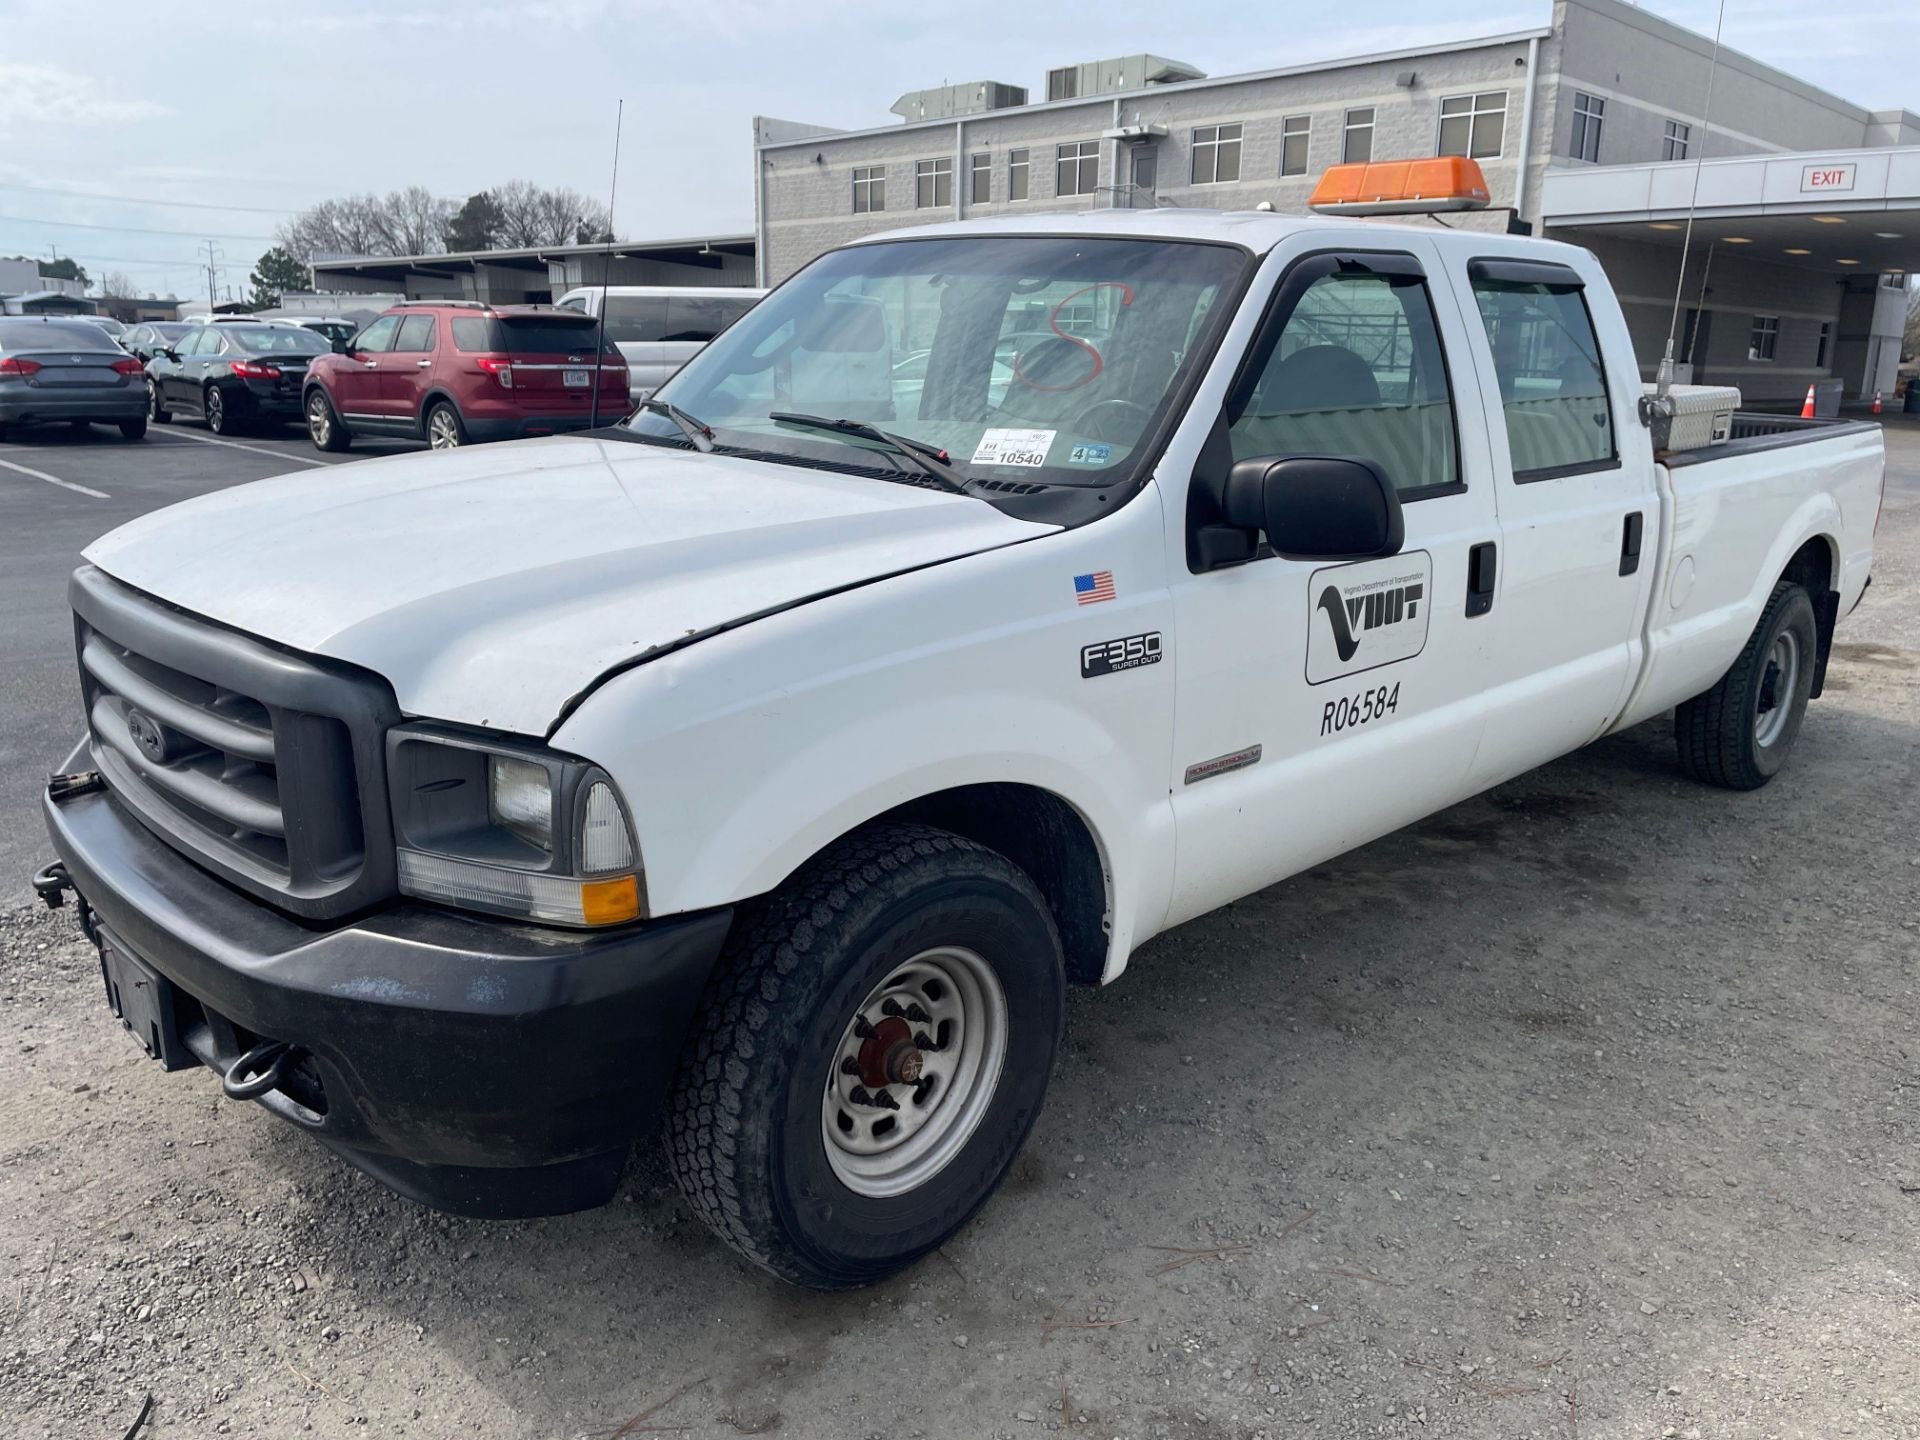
117 285
531 215
403 222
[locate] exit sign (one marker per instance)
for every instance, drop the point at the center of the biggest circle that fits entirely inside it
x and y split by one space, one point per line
1819 178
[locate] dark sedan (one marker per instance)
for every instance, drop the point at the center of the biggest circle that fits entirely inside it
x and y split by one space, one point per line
54 370
232 375
150 337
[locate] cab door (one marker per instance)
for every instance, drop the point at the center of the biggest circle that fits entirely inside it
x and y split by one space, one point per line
1577 498
1321 704
356 380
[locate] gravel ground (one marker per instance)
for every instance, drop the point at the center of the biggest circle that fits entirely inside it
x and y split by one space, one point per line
1583 1108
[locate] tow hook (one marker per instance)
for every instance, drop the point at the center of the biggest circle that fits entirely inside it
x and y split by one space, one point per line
78 782
261 1069
51 883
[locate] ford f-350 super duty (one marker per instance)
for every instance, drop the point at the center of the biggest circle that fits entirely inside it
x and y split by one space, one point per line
992 597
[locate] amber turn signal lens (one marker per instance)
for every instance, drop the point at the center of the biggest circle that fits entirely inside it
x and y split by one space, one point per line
608 902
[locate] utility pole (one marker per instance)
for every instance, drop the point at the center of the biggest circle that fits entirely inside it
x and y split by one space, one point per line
214 255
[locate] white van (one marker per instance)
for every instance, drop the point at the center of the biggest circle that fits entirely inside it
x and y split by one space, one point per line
660 327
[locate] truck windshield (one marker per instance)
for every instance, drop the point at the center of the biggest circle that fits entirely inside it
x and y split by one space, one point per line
1046 358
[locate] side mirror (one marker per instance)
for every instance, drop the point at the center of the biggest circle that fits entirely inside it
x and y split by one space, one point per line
343 347
169 352
1317 507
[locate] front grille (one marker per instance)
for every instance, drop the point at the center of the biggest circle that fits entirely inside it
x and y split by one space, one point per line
265 766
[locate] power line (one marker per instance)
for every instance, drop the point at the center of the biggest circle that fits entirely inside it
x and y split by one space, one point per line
135 200
128 229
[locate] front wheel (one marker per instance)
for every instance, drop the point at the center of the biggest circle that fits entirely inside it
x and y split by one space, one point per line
157 413
1737 735
875 1047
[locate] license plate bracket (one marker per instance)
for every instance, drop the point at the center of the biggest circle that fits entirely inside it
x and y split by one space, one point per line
143 999
576 379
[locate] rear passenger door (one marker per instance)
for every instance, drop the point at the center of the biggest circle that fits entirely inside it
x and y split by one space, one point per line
1323 703
406 370
1581 523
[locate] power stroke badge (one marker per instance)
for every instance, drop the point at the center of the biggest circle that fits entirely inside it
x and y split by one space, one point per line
1130 652
1367 615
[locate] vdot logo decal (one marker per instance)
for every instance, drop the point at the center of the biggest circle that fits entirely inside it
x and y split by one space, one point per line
1367 615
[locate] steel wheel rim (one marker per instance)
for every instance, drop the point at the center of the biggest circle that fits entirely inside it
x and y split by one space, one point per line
319 423
442 432
880 1152
1779 682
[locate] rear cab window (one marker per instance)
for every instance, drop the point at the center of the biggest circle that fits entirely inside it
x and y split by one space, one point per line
1547 360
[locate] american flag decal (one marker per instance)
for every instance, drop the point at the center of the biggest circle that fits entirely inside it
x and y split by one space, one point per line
1092 589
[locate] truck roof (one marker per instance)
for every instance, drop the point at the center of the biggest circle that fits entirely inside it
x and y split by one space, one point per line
1257 230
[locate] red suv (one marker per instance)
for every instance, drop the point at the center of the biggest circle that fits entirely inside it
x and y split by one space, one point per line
450 372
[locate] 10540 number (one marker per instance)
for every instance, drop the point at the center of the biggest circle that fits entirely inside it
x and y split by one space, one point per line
1350 711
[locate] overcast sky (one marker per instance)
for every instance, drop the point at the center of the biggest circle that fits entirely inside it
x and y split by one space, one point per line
167 114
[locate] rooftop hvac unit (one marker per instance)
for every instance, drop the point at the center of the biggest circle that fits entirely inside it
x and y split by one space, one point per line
947 102
1123 72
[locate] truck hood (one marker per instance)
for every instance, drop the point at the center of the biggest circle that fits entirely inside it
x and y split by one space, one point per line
491 584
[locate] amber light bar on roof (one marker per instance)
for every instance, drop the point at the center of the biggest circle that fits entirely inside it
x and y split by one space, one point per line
1401 187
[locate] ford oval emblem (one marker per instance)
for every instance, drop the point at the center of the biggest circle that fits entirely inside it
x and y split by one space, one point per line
148 735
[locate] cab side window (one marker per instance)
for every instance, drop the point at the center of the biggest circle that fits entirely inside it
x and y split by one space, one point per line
1553 384
379 335
1356 368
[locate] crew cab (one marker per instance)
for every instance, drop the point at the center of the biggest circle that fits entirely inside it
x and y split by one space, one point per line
768 764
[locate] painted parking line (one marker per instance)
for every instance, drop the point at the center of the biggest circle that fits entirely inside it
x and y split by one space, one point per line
55 480
236 445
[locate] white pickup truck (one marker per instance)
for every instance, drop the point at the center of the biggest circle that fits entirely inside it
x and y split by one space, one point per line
770 763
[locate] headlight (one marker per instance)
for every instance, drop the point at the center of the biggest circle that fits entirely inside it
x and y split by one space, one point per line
511 828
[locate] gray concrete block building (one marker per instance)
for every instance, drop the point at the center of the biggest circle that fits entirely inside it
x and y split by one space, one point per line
1589 129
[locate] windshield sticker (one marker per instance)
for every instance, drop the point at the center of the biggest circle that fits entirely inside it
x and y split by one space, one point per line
1109 657
1014 447
1092 589
1363 616
1090 455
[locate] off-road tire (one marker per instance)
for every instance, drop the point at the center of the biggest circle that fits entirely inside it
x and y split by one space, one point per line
744 1125
1715 732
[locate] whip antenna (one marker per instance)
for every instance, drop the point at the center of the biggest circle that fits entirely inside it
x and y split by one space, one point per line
1664 376
606 266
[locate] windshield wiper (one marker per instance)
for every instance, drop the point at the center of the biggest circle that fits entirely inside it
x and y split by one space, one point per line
930 459
698 432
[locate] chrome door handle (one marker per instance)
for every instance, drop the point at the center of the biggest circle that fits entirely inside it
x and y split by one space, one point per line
370 364
422 364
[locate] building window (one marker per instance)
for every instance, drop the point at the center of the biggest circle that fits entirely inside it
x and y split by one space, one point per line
1588 113
1016 175
1216 154
1474 125
1077 168
1358 143
1820 351
869 188
1295 131
933 183
1764 337
979 179
1678 138
1064 83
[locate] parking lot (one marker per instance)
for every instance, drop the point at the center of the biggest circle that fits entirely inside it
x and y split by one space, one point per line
1585 1108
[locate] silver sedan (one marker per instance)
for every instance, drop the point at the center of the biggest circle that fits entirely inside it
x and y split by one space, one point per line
55 369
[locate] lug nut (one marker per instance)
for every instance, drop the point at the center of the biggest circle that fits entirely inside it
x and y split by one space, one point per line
890 1006
859 1096
849 1066
884 1101
917 1015
923 1041
861 1028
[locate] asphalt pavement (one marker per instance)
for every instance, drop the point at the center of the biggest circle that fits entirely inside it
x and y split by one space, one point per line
59 490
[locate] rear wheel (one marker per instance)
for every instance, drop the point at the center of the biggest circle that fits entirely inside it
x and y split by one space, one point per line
875 1047
444 430
156 413
1738 734
219 421
323 426
134 429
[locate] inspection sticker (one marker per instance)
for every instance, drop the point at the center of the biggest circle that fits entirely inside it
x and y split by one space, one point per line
1089 454
1014 447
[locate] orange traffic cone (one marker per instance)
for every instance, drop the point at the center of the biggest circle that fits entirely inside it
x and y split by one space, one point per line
1876 402
1806 410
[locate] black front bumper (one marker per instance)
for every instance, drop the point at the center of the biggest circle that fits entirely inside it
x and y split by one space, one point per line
481 1067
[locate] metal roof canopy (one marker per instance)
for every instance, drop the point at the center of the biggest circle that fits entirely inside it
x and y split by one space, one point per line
704 251
1831 211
